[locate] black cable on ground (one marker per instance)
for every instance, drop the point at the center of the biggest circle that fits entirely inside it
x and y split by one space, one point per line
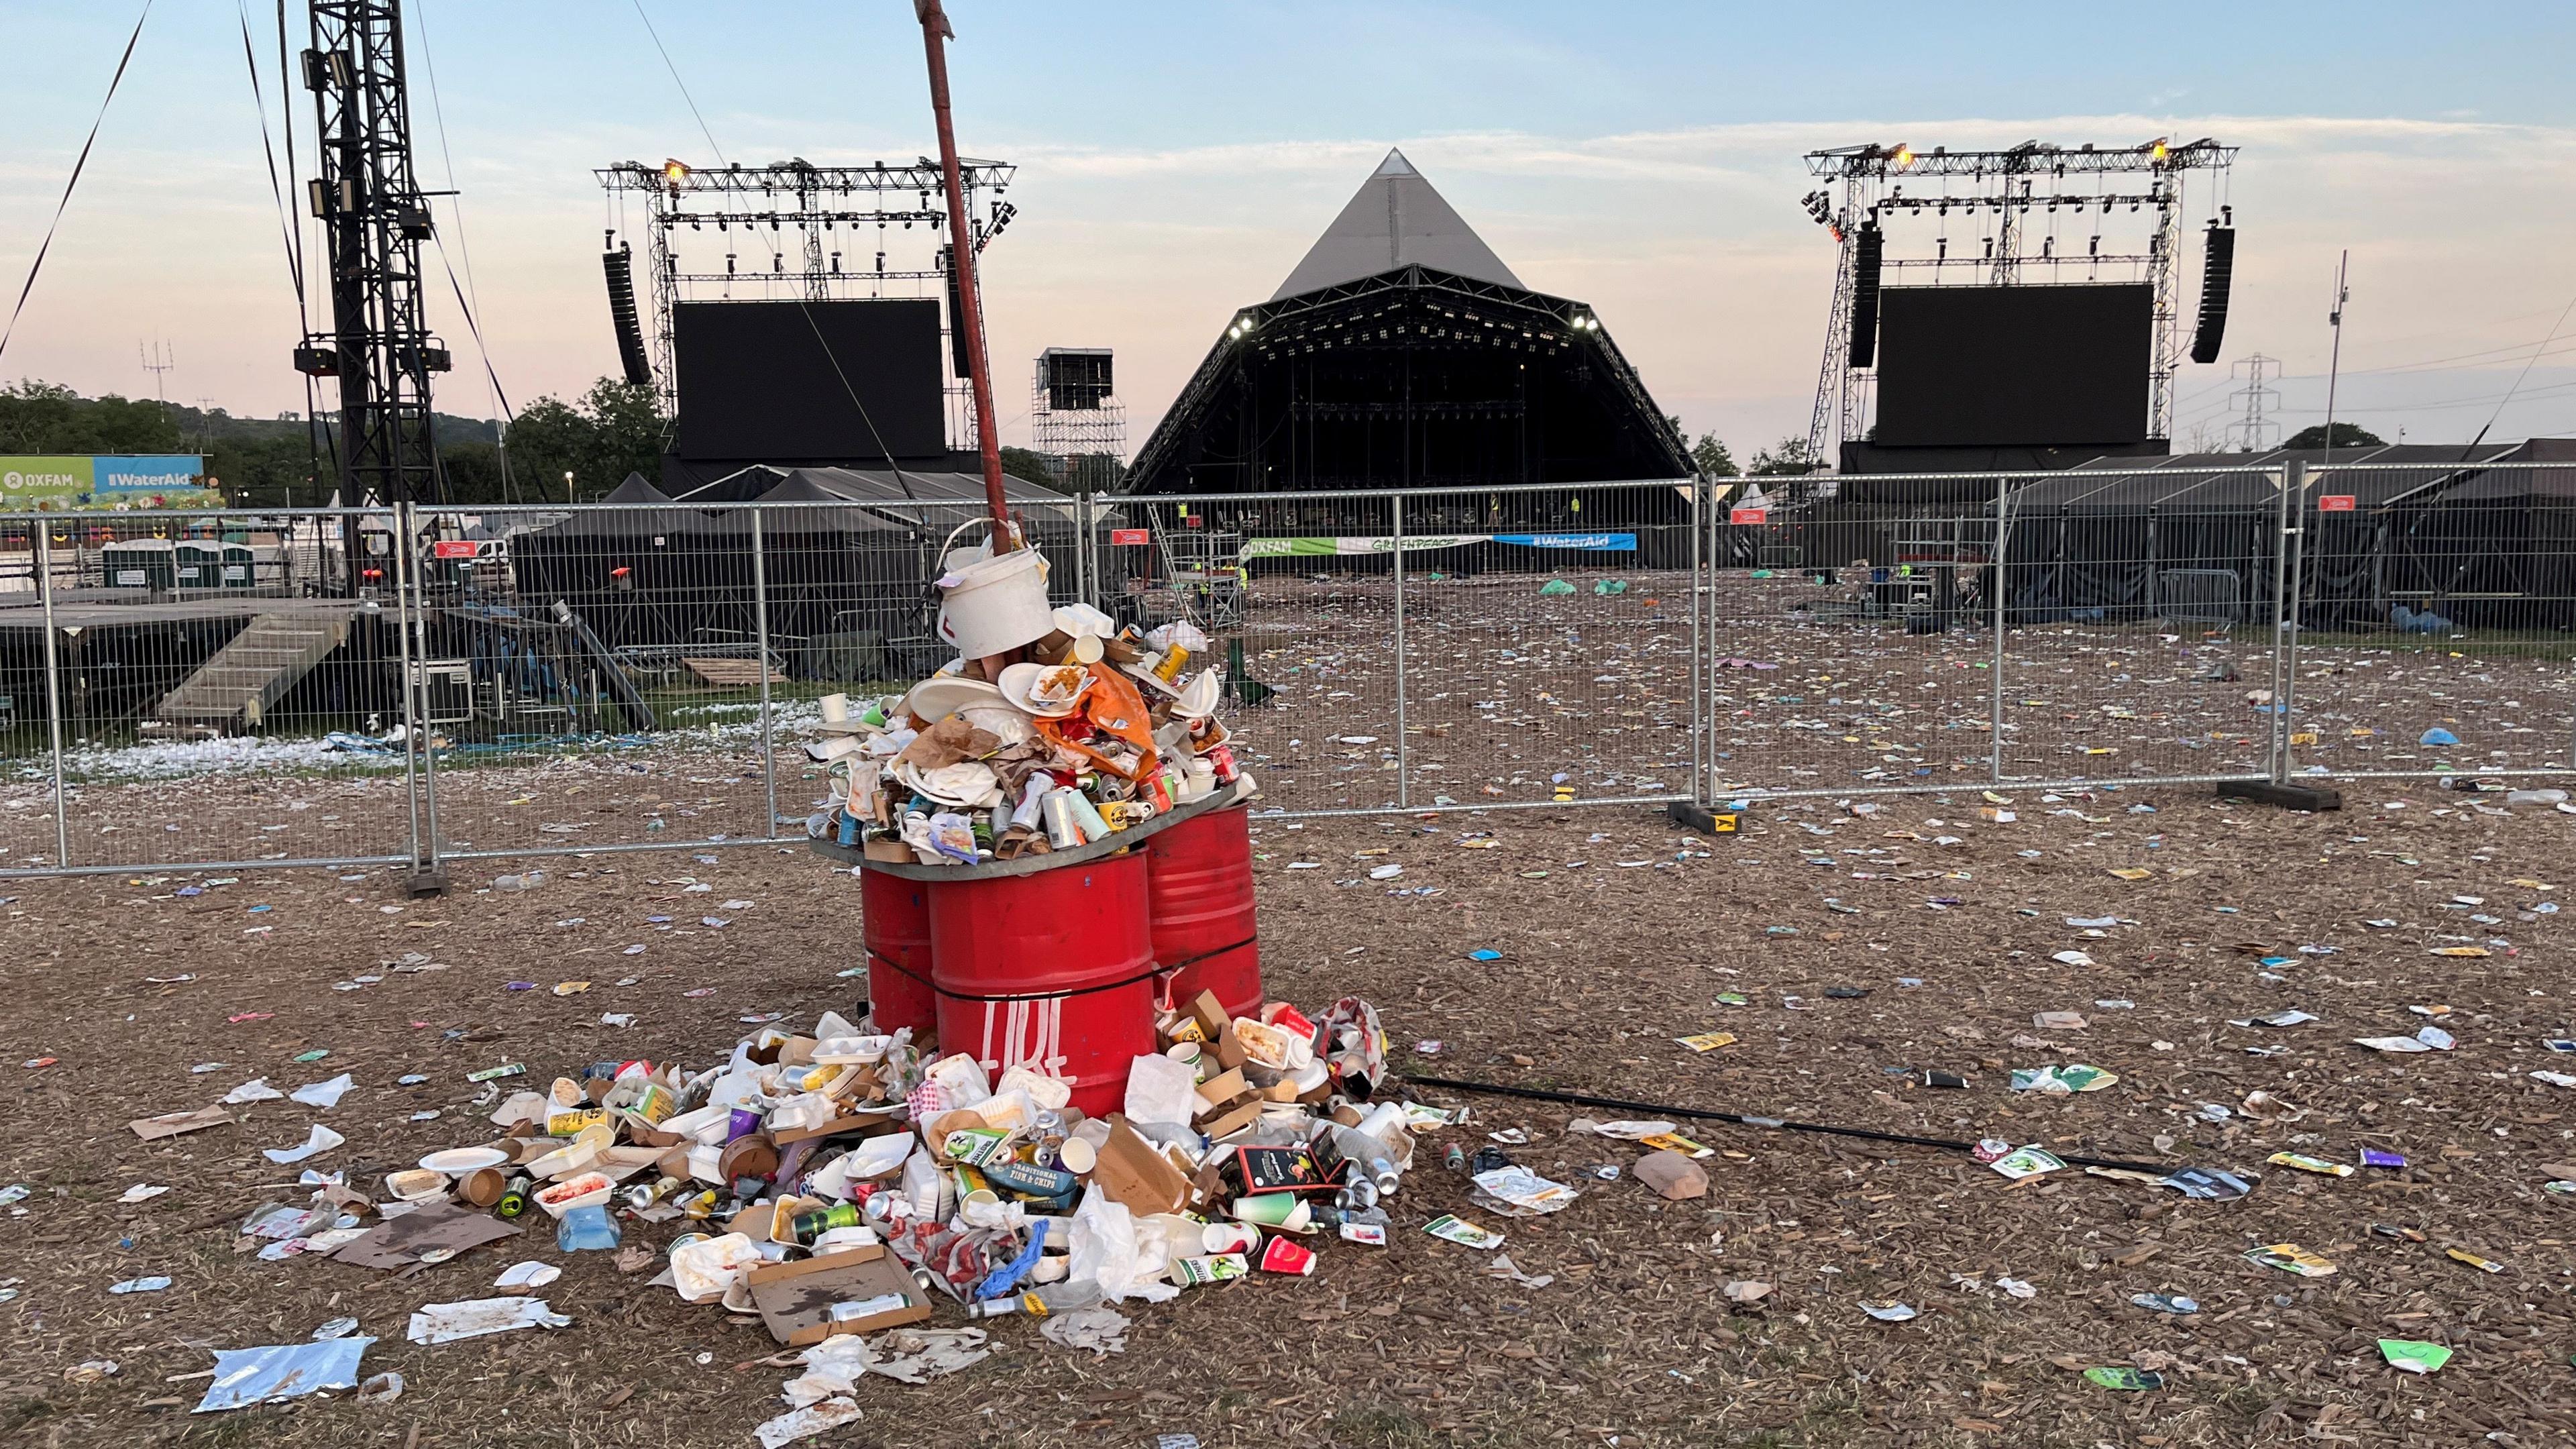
1660 1110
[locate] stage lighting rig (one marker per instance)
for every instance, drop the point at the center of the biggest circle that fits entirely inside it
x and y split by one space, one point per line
793 196
1865 183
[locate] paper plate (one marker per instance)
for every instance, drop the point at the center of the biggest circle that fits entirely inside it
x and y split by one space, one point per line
933 700
1020 682
971 773
1005 722
1198 698
458 1161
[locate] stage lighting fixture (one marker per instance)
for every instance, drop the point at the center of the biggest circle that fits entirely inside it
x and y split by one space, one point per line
1904 154
2158 150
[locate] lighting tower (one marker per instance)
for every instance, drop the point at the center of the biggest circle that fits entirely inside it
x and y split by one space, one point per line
374 217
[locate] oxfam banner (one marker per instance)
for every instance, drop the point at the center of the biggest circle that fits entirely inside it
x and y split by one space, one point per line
48 483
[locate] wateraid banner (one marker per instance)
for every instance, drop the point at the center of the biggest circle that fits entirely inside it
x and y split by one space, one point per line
1343 545
1588 542
158 473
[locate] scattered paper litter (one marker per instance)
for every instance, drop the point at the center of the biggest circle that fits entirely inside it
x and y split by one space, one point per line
319 1140
805 1423
448 1322
175 1124
247 1376
918 1355
256 1089
1518 1192
1102 1330
1504 1268
141 1192
530 1274
325 1095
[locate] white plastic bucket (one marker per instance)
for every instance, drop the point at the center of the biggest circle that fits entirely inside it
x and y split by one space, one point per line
997 604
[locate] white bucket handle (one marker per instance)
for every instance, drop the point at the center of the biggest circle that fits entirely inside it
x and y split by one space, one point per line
961 528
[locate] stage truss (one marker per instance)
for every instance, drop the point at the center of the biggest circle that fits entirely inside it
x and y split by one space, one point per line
2003 200
794 215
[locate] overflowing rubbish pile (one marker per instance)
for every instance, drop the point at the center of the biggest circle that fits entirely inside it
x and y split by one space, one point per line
1051 744
846 1183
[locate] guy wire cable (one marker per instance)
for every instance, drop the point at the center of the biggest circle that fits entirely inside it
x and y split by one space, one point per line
1743 1119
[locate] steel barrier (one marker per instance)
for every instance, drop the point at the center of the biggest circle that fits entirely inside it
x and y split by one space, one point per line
414 686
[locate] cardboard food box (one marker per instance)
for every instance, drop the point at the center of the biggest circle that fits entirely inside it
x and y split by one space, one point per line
854 1124
1278 1169
1229 1049
795 1299
1211 1013
1227 1104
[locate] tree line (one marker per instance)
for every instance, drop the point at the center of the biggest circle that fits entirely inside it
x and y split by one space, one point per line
613 429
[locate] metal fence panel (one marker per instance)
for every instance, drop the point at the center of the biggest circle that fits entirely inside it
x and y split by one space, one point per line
471 684
2434 601
161 673
1438 648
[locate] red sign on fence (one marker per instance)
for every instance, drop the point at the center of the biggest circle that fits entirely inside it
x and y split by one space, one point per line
1125 536
2334 503
452 548
1755 516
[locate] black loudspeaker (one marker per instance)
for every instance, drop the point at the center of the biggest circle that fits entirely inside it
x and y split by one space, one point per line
958 366
2217 268
620 267
1867 250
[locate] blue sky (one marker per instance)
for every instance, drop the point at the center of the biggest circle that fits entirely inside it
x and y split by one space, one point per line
1176 160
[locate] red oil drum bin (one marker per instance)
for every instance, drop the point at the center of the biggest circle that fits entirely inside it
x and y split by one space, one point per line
1053 970
894 922
1200 898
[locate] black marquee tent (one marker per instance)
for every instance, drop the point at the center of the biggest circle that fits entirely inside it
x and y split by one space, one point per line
846 557
2482 535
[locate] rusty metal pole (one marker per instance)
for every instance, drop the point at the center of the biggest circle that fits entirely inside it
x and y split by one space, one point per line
935 33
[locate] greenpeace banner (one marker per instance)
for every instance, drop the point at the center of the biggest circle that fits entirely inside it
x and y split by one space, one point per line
1353 544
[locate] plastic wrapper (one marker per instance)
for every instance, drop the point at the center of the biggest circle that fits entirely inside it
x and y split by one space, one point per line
1161 1090
1105 1251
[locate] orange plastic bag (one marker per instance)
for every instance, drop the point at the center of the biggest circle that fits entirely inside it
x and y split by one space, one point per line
1115 707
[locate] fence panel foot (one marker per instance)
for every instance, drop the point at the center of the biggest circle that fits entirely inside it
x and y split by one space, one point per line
1702 818
2288 797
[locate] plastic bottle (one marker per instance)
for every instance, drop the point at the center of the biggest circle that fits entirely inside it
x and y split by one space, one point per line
585 1229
